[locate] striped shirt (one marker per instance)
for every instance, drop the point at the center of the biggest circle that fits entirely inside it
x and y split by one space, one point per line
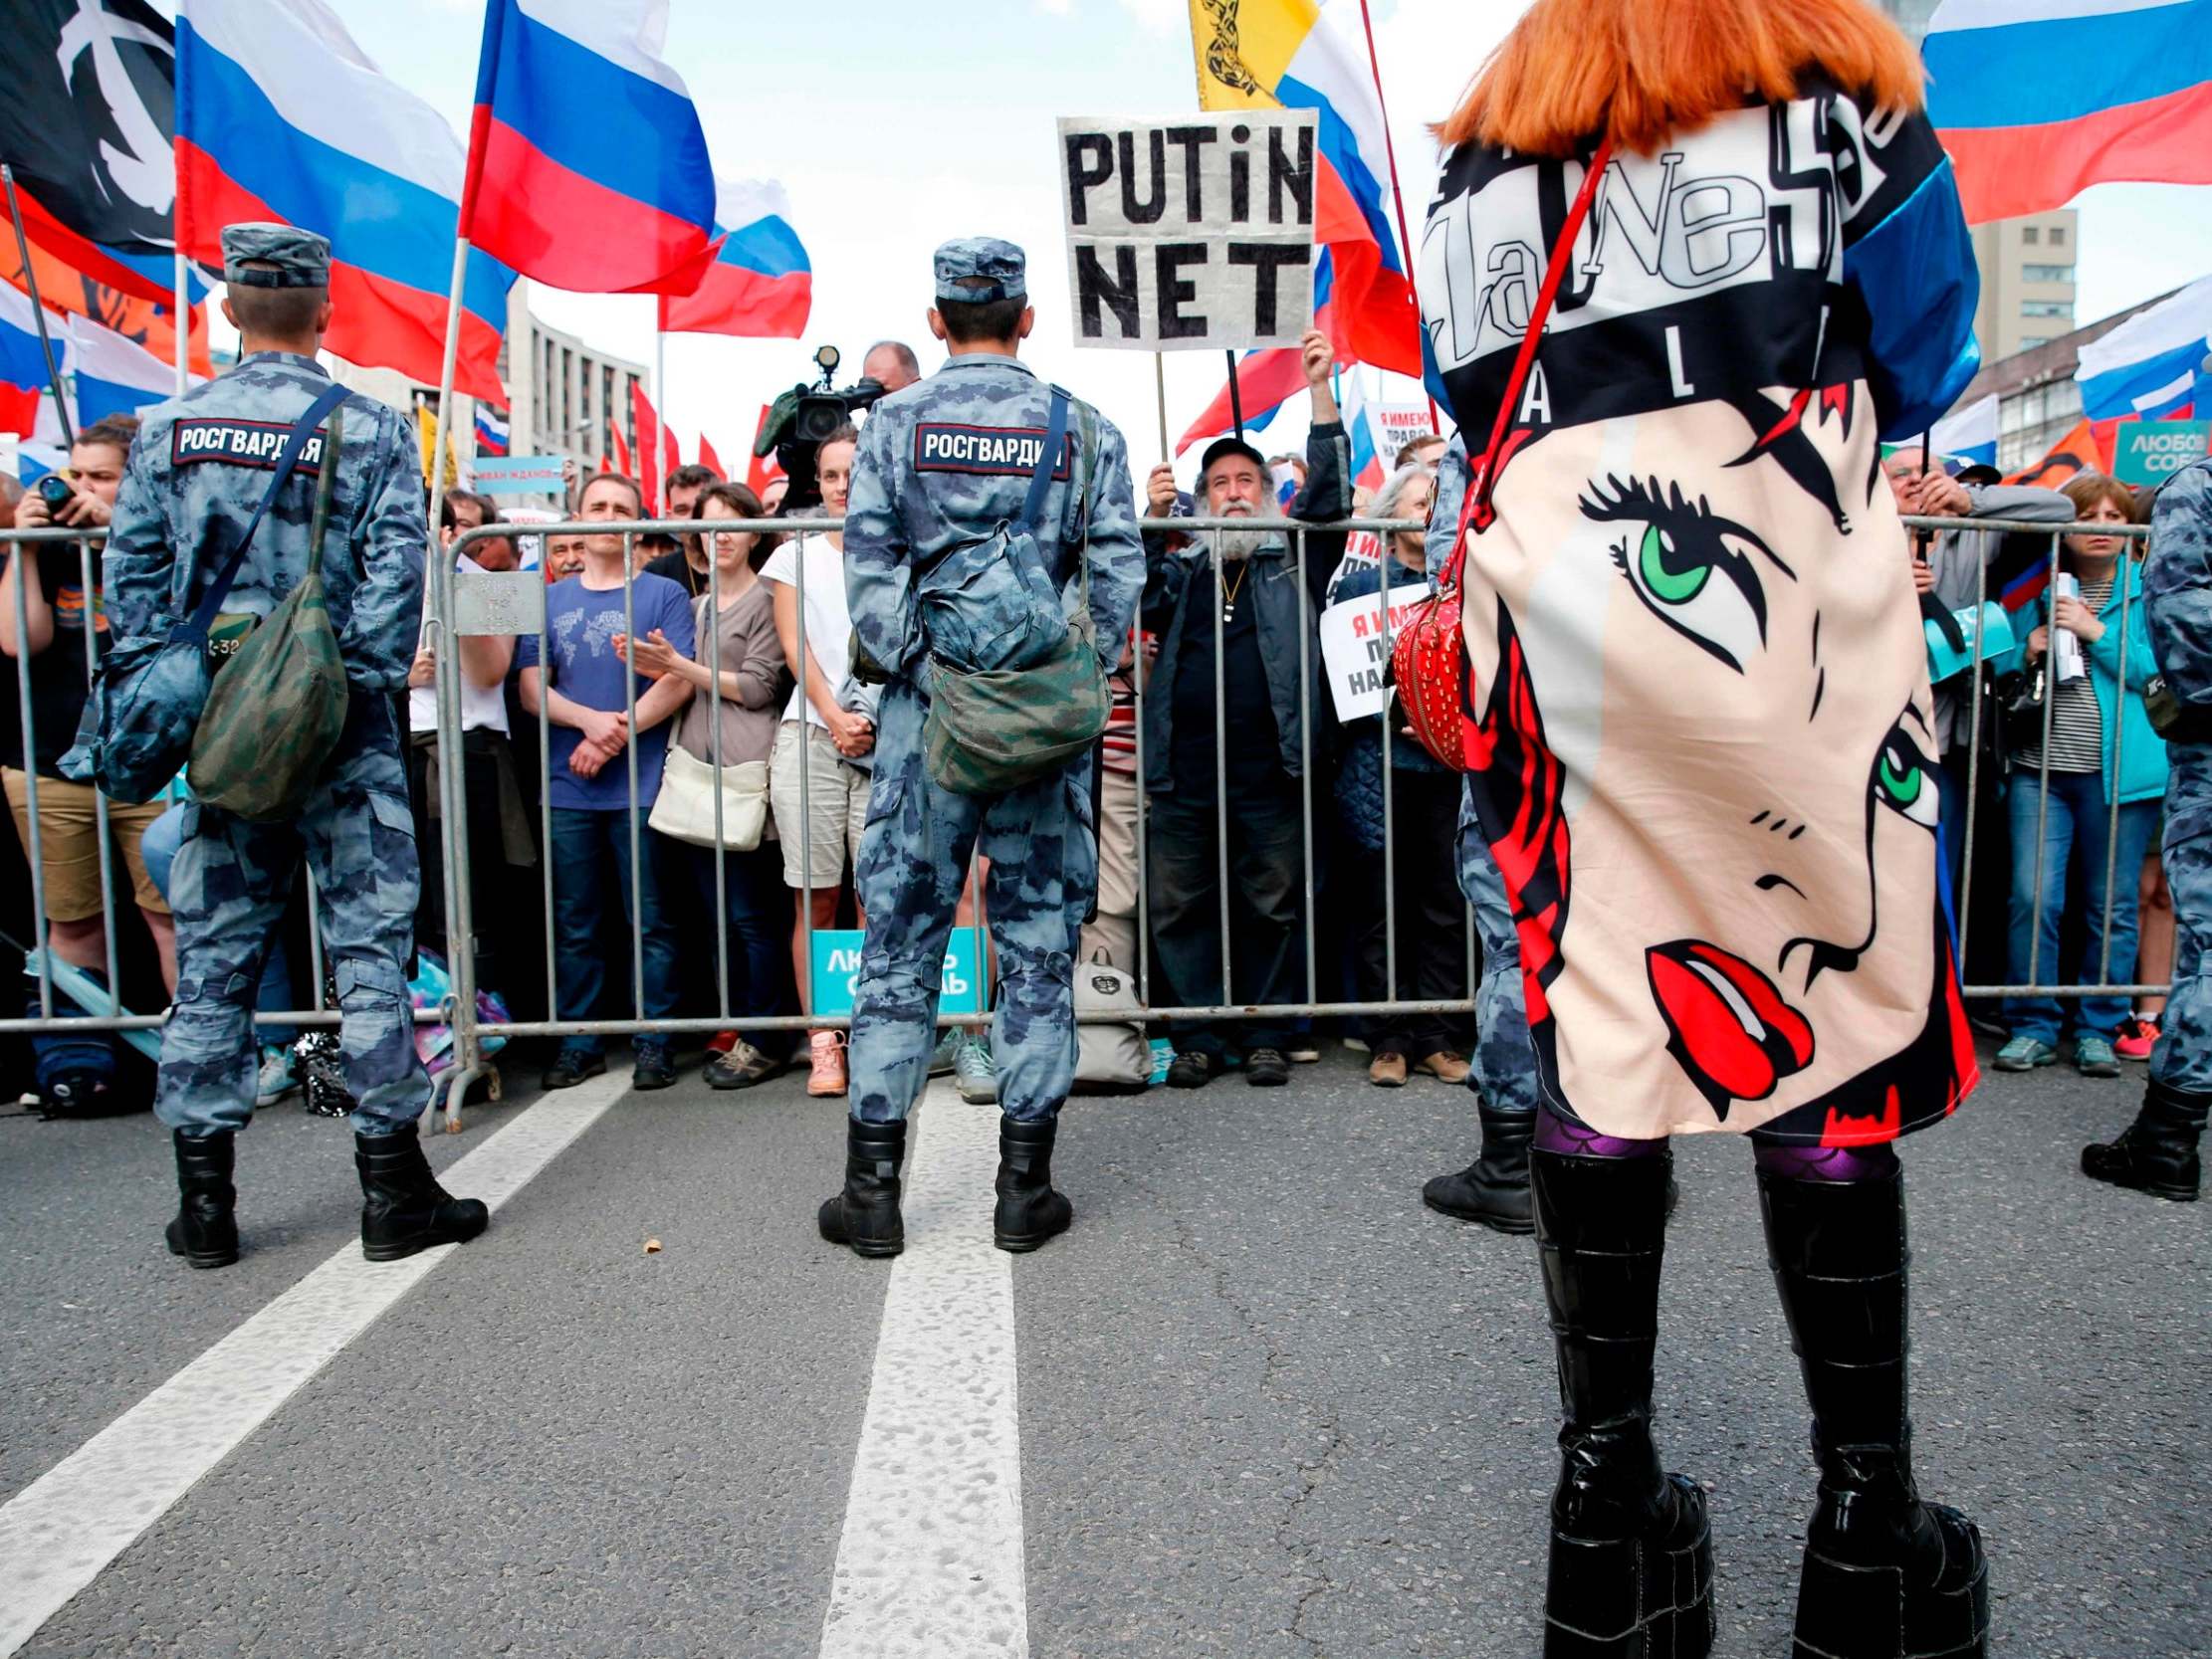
2077 728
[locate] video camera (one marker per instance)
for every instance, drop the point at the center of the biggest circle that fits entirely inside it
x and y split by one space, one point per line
802 418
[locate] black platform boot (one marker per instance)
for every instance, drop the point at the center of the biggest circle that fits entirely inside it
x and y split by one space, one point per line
1631 1553
2157 1152
205 1231
1493 1189
404 1208
1030 1211
865 1215
1886 1576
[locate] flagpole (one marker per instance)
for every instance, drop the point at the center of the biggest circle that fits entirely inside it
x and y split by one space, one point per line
183 321
1390 151
660 391
1160 387
37 311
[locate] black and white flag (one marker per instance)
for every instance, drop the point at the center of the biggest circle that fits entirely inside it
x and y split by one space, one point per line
89 120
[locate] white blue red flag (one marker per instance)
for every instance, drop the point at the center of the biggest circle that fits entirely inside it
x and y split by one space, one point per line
281 116
2149 366
2038 99
115 375
491 432
588 167
23 375
761 282
1968 434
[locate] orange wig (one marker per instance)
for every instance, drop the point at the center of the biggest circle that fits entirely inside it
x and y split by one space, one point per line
1644 69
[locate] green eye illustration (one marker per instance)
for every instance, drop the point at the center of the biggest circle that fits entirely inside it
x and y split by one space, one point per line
1675 587
1903 787
1901 779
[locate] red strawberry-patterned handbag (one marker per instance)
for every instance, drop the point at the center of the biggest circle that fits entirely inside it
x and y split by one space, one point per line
1429 662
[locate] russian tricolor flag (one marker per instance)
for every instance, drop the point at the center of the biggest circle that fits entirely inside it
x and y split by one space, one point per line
281 116
597 165
23 374
760 283
1359 426
2148 367
113 375
2038 99
1969 433
491 432
149 277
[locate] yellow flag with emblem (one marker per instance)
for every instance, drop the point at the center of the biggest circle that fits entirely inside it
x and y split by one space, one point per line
1243 47
426 423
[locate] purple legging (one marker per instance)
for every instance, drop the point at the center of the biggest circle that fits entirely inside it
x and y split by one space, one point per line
1788 1159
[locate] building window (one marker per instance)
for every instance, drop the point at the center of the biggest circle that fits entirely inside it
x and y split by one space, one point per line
2047 307
2028 342
2058 236
2030 235
2047 273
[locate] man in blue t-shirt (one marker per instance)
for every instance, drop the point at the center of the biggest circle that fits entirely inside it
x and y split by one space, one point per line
587 706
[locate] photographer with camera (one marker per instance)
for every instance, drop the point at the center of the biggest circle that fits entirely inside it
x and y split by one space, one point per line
57 611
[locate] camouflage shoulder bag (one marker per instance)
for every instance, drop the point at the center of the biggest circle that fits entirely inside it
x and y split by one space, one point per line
279 701
992 730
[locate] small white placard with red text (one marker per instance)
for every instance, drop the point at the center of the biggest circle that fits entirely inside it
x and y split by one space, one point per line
1354 655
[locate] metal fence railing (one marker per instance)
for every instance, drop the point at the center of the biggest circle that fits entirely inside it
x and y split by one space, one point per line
473 603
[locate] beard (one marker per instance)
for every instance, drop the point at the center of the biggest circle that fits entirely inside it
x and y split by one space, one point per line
1241 545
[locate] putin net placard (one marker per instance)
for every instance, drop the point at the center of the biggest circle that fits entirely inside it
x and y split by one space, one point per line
1189 234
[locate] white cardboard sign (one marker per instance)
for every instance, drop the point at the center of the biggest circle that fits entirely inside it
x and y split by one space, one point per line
1192 233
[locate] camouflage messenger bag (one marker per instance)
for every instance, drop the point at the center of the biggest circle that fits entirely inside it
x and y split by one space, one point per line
995 725
148 696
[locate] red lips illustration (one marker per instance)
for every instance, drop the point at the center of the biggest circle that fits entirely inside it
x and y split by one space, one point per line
1728 1026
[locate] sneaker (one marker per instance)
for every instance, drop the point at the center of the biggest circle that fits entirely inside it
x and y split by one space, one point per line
722 1042
573 1065
2093 1057
743 1067
2025 1054
651 1065
1304 1052
1387 1070
1444 1065
976 1071
1193 1068
276 1078
946 1053
1357 1045
826 1052
1266 1068
2138 1037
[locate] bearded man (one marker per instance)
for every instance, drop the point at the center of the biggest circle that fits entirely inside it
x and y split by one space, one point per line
1237 622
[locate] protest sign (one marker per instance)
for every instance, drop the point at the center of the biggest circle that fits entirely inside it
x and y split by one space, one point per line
1191 233
518 475
2150 452
1353 651
1401 424
837 966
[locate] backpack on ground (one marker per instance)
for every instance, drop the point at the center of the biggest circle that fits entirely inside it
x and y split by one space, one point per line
1110 1058
1015 685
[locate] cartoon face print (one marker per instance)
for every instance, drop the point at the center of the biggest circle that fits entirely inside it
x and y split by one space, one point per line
1736 699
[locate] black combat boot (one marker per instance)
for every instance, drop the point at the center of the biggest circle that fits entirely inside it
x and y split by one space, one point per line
1493 1189
865 1215
1030 1211
205 1231
1631 1551
2157 1152
1886 1576
405 1209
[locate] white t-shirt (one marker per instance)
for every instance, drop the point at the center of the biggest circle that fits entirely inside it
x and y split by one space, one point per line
483 708
829 616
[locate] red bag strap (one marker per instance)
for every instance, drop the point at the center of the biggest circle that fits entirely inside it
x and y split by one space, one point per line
1482 480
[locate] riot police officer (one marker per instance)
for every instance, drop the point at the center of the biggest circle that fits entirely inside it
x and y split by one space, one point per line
2157 1152
194 477
942 465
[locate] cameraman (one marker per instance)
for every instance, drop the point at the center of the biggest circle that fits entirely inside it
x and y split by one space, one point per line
57 610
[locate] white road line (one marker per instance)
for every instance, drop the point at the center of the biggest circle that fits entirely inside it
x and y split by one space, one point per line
62 1531
930 1563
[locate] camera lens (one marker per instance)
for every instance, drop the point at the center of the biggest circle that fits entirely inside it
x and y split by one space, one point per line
53 490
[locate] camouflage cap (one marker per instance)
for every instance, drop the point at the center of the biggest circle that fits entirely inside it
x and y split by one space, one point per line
296 258
1000 266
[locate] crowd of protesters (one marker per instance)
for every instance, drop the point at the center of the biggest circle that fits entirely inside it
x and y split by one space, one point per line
1320 844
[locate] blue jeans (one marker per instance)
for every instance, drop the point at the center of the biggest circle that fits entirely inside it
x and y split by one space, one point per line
590 855
2076 837
273 994
757 922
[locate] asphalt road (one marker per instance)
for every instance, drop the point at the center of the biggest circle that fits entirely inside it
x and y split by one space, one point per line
1267 1403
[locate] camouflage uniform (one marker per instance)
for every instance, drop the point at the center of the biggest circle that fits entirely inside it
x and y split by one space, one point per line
1504 1072
174 521
2177 594
901 519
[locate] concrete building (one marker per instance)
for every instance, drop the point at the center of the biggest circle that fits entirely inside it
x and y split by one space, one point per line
2038 401
563 392
2027 264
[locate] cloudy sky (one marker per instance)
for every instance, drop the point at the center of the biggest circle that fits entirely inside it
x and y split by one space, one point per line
895 125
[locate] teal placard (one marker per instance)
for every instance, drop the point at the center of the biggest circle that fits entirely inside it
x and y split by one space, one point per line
837 965
2150 452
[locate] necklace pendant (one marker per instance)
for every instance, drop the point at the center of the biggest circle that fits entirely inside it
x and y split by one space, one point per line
1228 612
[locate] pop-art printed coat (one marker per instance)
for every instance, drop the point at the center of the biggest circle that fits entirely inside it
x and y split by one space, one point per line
1700 723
